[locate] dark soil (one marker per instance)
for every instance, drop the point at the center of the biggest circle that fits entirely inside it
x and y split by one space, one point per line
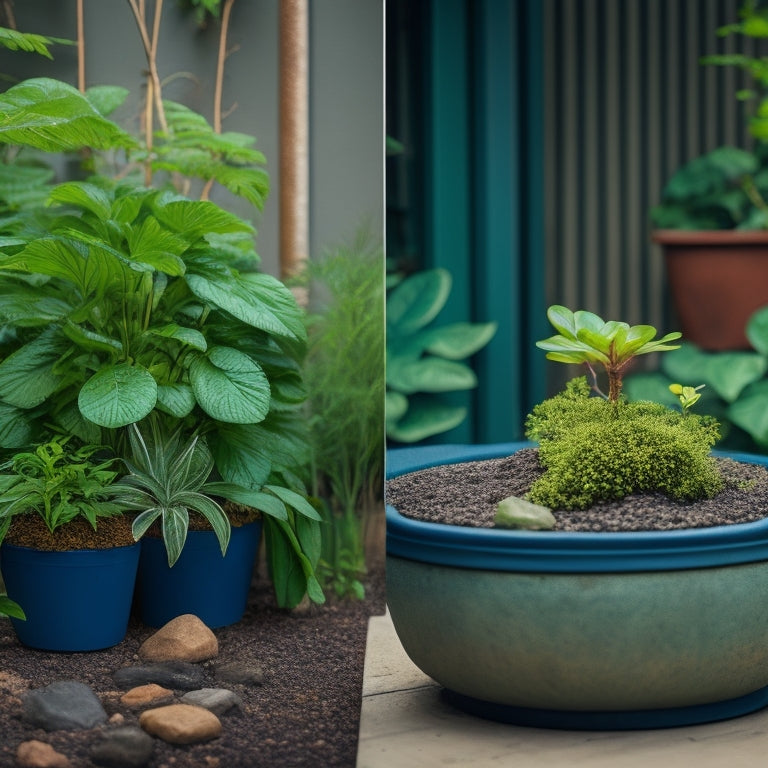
306 713
467 494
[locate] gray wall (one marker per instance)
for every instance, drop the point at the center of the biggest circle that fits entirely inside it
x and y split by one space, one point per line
346 93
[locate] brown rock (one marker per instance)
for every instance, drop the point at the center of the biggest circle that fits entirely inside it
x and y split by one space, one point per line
38 754
181 723
184 638
145 694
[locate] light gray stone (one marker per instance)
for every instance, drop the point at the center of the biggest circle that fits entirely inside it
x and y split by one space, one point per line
64 705
514 512
216 700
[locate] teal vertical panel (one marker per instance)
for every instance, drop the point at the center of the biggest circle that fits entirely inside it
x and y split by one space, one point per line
497 251
533 295
447 170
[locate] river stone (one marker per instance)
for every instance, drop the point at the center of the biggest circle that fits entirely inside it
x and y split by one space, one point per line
123 747
64 705
216 700
170 674
241 672
181 724
38 754
145 694
184 638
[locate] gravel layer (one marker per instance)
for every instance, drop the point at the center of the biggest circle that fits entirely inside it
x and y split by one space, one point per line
467 494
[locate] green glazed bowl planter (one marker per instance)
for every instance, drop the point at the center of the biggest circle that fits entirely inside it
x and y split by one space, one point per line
201 581
77 600
581 630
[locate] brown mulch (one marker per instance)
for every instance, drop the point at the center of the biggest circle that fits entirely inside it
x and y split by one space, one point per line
467 494
306 713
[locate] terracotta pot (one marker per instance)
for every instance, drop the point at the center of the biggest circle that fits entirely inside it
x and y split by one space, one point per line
718 279
629 630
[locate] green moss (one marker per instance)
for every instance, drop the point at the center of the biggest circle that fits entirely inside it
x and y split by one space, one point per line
594 450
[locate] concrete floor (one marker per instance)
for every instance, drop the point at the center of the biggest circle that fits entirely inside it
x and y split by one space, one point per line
405 723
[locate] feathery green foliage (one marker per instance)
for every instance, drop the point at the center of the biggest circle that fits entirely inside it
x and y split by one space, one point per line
344 376
14 40
594 451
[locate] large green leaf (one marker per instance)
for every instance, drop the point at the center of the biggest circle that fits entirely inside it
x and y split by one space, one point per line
196 218
430 374
118 395
417 300
26 307
106 98
83 195
728 373
294 500
242 454
176 399
750 413
425 419
261 301
27 376
229 386
15 429
459 340
62 258
757 330
189 337
152 244
55 117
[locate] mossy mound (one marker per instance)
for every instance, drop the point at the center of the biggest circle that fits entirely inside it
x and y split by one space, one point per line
594 450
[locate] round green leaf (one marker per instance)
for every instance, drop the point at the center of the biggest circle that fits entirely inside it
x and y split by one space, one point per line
118 395
230 386
417 300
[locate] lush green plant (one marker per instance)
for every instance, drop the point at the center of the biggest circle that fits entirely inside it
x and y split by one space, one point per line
344 377
59 482
424 360
124 298
736 385
727 188
584 337
169 477
604 448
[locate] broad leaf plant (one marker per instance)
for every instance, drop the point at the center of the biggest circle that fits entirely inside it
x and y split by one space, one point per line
122 298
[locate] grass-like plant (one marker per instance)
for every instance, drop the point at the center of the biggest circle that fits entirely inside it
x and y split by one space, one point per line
344 376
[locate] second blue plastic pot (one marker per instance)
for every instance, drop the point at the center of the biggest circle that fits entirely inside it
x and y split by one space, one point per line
78 600
201 581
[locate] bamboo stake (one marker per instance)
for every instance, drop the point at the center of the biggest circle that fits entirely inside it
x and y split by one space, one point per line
294 137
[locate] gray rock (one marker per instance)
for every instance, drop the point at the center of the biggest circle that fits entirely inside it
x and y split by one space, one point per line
240 672
125 747
216 700
181 675
64 705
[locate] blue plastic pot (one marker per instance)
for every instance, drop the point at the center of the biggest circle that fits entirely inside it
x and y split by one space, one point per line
78 600
581 630
201 581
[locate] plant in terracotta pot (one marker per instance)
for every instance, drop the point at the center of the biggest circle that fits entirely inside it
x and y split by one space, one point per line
68 555
635 605
712 219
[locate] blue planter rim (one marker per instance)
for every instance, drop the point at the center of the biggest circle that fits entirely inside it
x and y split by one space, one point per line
561 552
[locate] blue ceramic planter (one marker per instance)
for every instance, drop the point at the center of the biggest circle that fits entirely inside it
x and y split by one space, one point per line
74 601
581 630
201 581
